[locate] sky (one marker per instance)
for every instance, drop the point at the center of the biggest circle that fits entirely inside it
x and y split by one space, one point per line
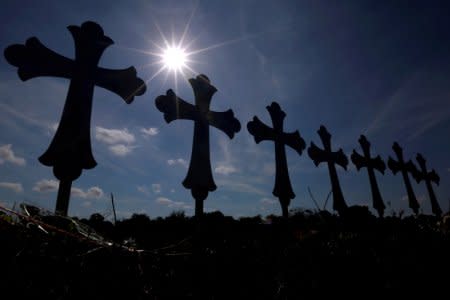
379 68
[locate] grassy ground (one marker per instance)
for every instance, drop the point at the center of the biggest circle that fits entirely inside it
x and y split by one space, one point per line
224 258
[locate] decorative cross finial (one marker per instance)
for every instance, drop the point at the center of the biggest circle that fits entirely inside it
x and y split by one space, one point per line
260 131
199 178
331 158
428 177
70 150
372 164
400 165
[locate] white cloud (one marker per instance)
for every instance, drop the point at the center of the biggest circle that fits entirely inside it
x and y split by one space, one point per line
144 190
86 204
113 136
51 185
268 201
7 154
268 169
163 201
240 187
156 187
177 161
92 192
225 170
15 186
172 204
151 131
120 149
53 126
46 185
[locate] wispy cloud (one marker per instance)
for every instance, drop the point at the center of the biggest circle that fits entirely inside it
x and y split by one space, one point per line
156 187
14 186
51 185
114 136
225 170
7 154
240 187
226 166
428 110
268 201
172 204
151 131
143 189
121 150
177 161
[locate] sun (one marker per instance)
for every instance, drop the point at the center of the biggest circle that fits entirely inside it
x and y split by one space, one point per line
174 58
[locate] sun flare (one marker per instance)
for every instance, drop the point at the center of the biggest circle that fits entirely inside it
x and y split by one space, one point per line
174 58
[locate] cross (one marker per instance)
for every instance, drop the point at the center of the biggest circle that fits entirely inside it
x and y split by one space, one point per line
404 167
331 158
199 178
70 150
429 177
372 164
261 132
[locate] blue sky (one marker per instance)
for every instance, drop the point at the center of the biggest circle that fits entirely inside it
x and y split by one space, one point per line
376 68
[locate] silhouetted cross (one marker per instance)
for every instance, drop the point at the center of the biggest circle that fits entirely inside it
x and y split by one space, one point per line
199 178
372 164
326 155
70 150
429 177
260 131
405 168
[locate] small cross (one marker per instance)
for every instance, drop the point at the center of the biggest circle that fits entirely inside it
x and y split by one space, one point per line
404 167
199 178
70 150
428 177
260 131
372 164
331 158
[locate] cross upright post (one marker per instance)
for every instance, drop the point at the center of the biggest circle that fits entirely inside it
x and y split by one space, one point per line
428 177
331 158
400 165
70 150
260 131
199 178
371 164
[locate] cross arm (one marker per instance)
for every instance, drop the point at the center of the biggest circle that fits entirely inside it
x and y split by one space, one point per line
378 164
393 165
412 169
260 131
124 82
358 160
33 59
224 121
434 177
295 141
316 154
175 108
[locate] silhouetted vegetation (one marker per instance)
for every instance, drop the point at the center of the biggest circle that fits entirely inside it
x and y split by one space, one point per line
253 257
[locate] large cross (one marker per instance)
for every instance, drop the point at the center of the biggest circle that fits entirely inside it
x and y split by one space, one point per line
331 158
70 150
404 167
199 178
261 132
428 177
372 164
